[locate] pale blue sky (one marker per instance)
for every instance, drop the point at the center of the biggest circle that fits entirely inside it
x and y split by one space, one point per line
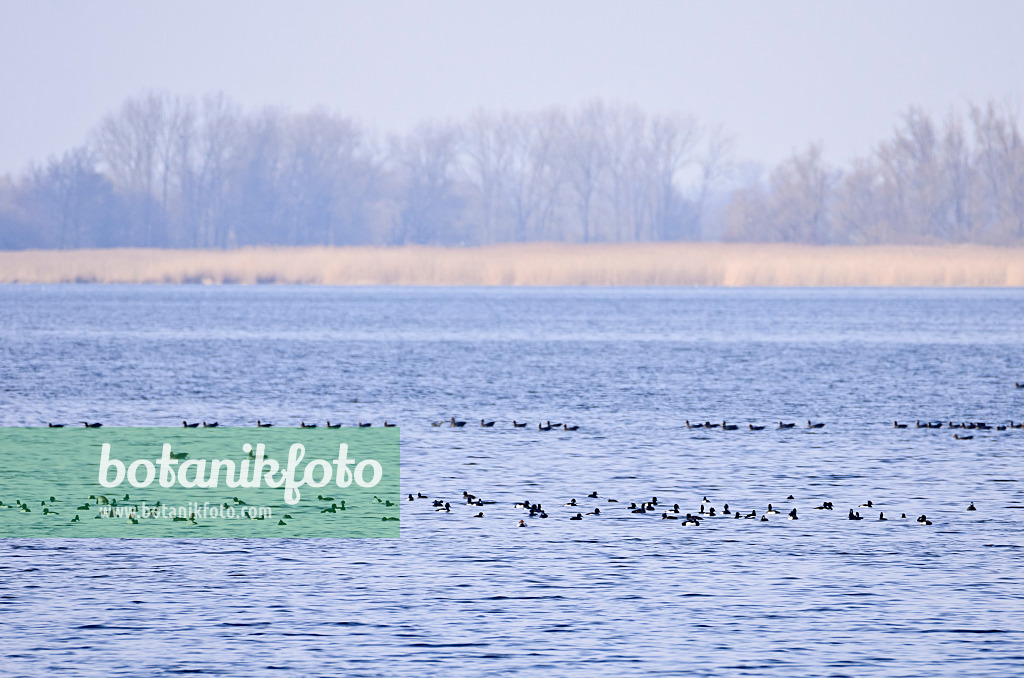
777 75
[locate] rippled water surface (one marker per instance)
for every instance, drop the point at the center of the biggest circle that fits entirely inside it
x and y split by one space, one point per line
611 595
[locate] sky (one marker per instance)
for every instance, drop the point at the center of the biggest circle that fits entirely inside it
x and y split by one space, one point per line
775 75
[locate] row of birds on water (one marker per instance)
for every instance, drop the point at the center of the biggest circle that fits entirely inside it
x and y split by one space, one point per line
546 426
561 426
259 424
706 512
726 426
964 426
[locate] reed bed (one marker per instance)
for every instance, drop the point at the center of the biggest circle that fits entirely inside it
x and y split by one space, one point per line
534 264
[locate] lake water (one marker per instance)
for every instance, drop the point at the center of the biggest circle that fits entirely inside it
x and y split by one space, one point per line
611 595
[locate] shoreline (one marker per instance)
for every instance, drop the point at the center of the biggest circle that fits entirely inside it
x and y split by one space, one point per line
671 264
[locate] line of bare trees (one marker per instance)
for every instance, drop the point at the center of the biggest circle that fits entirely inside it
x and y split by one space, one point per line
172 172
167 171
931 182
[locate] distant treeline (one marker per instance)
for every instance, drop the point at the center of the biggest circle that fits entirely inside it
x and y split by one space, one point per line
167 171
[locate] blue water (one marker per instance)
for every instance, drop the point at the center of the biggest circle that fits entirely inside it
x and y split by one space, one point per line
610 595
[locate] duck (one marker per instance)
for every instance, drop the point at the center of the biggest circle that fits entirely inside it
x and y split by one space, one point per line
554 425
330 425
93 425
486 424
213 425
689 425
792 425
708 424
755 428
592 495
420 495
867 505
918 424
595 512
666 516
578 516
752 515
436 424
516 424
522 523
957 436
853 516
971 507
764 519
574 427
881 516
896 424
792 515
923 520
726 511
260 424
571 502
729 427
447 508
771 511
690 521
185 424
387 425
479 515
305 425
542 427
368 424
321 497
456 424
51 425
819 424
790 497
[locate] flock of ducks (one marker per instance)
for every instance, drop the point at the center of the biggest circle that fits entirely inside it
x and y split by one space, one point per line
964 426
726 426
546 426
707 510
259 423
111 507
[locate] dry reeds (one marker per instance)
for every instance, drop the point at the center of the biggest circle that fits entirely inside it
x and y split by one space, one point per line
535 264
